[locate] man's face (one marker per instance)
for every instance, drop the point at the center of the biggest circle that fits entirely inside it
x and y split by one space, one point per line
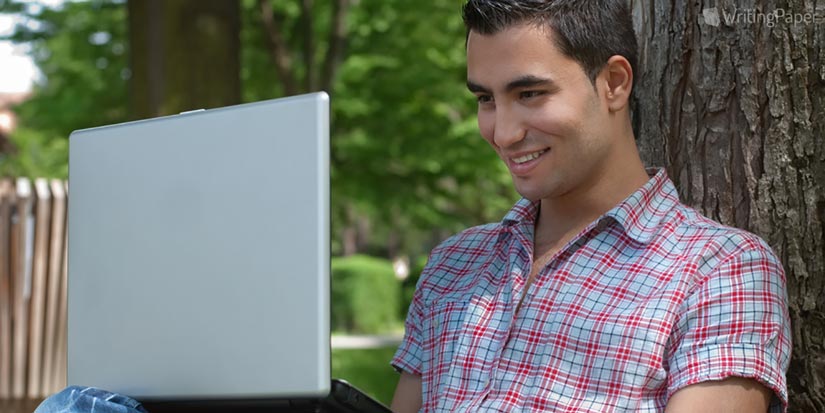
539 111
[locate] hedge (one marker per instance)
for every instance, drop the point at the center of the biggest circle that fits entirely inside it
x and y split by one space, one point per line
365 295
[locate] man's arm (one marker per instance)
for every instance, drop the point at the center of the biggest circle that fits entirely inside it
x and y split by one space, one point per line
732 395
735 323
407 398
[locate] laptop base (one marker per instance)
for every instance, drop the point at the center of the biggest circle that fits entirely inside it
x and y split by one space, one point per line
343 398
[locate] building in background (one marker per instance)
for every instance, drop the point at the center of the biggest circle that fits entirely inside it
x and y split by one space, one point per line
8 119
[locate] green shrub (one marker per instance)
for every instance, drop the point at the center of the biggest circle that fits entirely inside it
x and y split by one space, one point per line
365 295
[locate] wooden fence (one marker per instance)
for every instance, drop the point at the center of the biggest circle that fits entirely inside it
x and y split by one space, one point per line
32 287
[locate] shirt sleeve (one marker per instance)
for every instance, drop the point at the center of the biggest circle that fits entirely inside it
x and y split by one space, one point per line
408 357
410 354
735 323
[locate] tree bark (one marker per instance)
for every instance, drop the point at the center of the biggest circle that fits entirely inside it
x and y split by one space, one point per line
184 55
7 147
731 101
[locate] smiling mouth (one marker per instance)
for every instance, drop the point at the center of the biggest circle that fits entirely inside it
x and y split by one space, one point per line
529 157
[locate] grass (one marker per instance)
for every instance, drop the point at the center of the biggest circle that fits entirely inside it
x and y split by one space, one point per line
368 370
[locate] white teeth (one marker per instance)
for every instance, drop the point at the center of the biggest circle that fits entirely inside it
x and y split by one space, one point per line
529 157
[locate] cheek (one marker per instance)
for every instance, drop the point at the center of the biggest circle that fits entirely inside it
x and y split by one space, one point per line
557 121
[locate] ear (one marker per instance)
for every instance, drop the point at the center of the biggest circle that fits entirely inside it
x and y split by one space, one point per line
617 77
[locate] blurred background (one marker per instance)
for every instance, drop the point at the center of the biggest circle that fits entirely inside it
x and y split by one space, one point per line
408 166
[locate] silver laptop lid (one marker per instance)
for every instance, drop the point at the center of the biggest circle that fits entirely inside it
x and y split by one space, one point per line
199 253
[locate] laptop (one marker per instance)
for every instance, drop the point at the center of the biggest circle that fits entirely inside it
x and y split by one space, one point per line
198 270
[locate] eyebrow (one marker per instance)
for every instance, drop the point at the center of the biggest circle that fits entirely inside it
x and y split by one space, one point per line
517 83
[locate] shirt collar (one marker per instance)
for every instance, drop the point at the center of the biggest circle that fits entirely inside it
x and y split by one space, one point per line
524 211
639 214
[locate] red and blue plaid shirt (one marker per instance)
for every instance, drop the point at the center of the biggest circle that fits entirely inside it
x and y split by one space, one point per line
646 300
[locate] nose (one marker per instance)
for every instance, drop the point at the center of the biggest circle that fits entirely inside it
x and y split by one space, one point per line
508 129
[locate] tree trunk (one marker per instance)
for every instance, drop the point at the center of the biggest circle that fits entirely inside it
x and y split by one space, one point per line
730 97
7 147
184 55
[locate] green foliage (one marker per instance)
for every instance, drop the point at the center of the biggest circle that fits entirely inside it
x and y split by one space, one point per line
364 295
81 50
37 155
368 370
406 147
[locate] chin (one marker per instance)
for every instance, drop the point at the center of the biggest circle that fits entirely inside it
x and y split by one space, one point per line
534 191
531 193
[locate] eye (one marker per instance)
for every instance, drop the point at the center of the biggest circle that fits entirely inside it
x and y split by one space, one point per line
530 94
482 99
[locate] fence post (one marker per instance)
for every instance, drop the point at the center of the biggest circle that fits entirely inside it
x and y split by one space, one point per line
6 202
21 249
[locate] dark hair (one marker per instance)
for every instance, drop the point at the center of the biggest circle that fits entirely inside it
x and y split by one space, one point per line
587 31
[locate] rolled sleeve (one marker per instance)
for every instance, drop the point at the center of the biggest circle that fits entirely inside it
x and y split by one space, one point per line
736 324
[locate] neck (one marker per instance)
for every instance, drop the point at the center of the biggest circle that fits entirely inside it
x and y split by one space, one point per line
562 217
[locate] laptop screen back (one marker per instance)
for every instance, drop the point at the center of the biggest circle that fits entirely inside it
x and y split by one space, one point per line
199 253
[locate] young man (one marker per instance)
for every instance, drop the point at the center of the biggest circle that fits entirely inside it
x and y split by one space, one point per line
598 291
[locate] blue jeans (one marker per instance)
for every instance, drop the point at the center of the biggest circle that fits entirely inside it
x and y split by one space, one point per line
75 399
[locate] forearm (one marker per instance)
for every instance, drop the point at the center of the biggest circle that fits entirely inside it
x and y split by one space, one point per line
407 398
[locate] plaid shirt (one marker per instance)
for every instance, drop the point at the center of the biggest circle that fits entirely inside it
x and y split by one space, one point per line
646 300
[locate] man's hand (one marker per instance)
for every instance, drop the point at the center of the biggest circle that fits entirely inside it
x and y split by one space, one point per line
407 398
732 395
